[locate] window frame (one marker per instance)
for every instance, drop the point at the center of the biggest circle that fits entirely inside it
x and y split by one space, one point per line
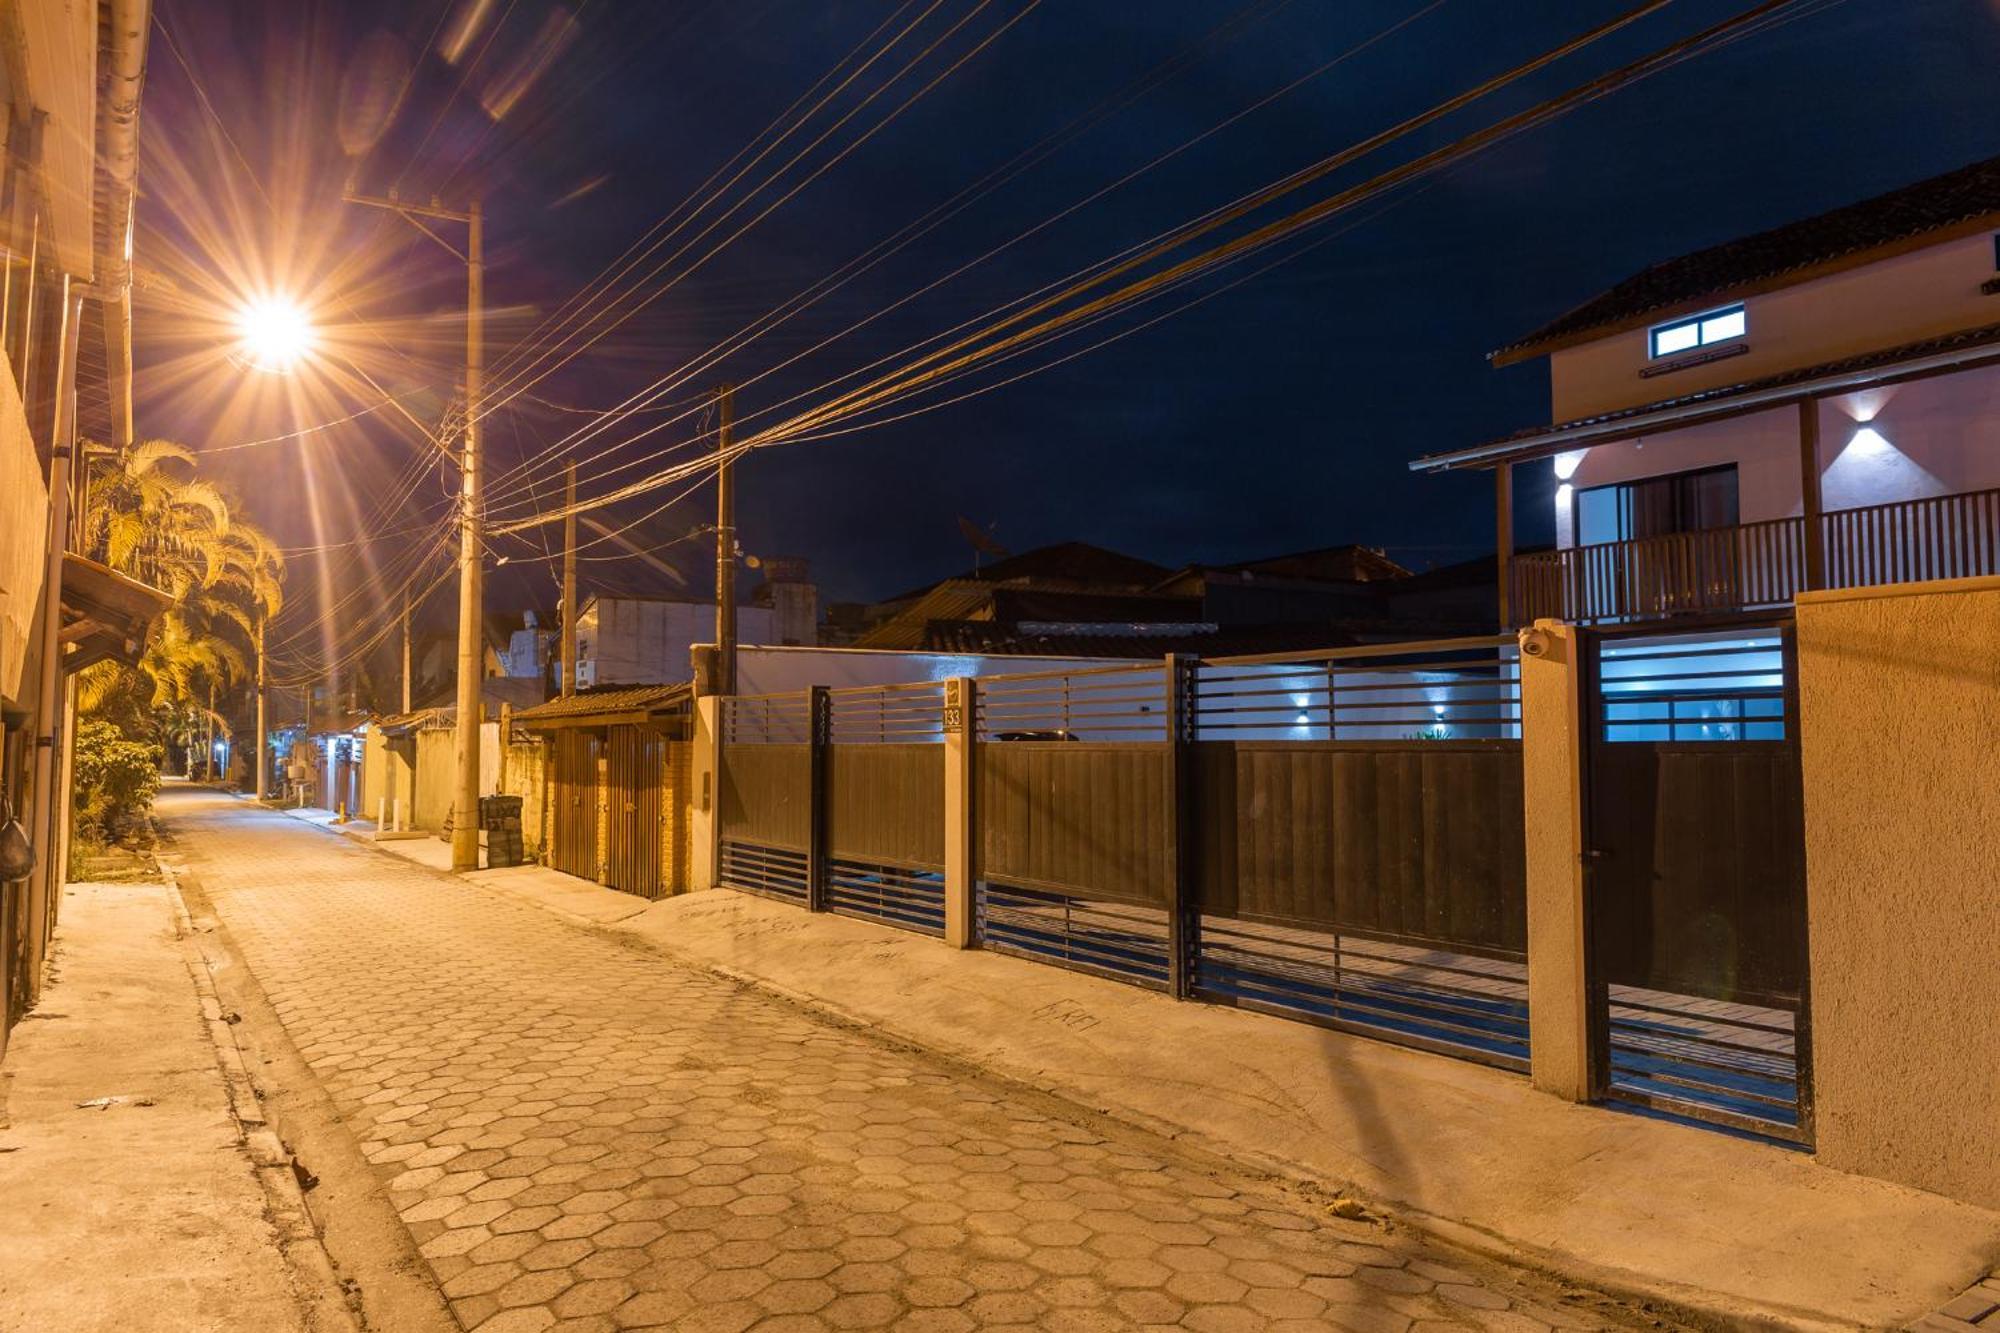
1699 324
1577 493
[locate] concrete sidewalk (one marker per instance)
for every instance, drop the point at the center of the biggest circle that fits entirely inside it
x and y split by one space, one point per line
147 1213
1742 1231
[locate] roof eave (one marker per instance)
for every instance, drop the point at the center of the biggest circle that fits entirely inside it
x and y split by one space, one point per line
1535 346
1582 434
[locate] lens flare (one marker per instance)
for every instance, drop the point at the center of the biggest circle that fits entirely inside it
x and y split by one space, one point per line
275 334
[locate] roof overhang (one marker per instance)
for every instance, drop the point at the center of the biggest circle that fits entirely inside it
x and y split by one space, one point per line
106 615
1974 348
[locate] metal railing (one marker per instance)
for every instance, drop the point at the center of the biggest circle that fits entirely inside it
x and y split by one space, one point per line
1463 689
886 714
1759 565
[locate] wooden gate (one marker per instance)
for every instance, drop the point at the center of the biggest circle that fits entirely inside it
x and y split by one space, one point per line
1695 864
636 774
573 848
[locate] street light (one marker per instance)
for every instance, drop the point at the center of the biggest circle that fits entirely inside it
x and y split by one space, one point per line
275 334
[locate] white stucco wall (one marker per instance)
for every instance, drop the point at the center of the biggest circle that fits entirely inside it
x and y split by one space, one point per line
1928 437
1884 304
1899 704
622 641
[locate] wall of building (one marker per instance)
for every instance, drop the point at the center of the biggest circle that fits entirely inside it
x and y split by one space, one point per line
1936 436
1884 304
623 641
1899 697
24 540
437 776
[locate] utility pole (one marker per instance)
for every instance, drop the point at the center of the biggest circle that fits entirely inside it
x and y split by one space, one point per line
725 543
568 686
471 639
263 736
406 650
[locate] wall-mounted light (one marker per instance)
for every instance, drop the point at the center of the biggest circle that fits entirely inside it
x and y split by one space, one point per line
1568 463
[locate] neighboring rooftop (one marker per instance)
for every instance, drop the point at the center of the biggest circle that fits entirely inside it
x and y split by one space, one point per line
1078 564
1967 200
616 701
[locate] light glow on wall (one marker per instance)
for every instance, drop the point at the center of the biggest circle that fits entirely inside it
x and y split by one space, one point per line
1568 463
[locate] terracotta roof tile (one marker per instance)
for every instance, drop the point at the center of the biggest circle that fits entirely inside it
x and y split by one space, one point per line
1714 275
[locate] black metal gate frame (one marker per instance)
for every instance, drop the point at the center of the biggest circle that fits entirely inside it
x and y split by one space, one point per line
1593 639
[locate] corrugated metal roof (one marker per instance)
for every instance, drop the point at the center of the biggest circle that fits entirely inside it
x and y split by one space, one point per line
620 699
1716 274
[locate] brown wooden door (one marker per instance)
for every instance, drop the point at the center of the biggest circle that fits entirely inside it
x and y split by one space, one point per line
635 773
574 850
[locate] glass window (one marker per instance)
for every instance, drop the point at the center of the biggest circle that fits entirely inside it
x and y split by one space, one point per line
1705 330
1655 506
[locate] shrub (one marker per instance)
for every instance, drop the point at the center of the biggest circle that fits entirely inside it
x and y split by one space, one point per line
116 779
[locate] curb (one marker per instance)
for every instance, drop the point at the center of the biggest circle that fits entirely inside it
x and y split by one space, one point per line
322 1296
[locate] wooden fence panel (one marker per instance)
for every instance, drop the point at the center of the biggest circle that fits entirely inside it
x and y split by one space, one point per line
765 795
1089 820
1701 884
1420 842
885 804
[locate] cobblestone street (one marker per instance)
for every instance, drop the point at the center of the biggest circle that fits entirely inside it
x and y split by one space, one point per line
583 1136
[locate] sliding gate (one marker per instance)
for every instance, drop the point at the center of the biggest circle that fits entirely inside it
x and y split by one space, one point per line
1695 867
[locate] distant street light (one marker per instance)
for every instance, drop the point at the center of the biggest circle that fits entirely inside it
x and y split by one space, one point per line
275 334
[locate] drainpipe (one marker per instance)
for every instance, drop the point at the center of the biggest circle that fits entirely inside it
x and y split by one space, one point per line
124 76
48 877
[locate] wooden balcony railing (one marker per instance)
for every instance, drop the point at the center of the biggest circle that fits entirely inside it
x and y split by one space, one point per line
1760 565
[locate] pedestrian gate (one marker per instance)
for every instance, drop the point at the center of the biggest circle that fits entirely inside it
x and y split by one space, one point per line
1695 872
573 846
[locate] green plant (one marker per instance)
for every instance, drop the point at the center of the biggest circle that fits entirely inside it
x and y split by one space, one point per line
116 779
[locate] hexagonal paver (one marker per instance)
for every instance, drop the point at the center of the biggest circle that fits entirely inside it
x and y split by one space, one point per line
584 1137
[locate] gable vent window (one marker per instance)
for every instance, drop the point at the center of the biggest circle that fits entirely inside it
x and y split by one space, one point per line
1717 326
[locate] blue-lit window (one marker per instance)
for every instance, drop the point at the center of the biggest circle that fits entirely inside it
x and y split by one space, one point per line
1717 687
1705 330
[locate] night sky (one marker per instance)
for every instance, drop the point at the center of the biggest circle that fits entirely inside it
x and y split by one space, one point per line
1278 415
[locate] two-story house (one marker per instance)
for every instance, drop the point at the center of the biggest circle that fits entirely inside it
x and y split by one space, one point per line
1815 406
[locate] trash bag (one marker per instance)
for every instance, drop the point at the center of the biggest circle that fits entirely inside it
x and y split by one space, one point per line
17 854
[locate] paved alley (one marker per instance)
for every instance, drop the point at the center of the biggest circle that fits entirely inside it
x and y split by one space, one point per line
581 1135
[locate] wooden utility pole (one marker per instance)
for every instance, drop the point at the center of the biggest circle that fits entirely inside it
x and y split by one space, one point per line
263 736
568 686
471 635
406 651
471 618
725 544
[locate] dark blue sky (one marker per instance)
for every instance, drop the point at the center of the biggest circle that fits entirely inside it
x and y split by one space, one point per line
1278 415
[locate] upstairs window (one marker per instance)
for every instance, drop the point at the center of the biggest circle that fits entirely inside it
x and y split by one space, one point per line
1682 335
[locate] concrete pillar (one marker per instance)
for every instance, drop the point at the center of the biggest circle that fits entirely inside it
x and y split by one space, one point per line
706 778
1552 786
960 827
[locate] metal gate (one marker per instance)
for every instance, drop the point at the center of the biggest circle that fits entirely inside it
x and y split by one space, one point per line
1696 877
764 801
636 774
573 848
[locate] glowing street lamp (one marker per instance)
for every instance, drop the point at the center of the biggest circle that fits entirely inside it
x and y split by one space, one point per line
275 334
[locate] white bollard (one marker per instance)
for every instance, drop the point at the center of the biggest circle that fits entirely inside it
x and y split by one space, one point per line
399 814
382 812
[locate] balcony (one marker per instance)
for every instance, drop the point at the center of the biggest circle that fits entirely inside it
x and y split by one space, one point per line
1759 565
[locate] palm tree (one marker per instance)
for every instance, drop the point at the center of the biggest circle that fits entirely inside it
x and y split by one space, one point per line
152 519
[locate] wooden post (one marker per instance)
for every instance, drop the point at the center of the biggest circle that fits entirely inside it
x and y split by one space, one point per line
568 685
1183 893
961 830
1809 493
1503 539
819 716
